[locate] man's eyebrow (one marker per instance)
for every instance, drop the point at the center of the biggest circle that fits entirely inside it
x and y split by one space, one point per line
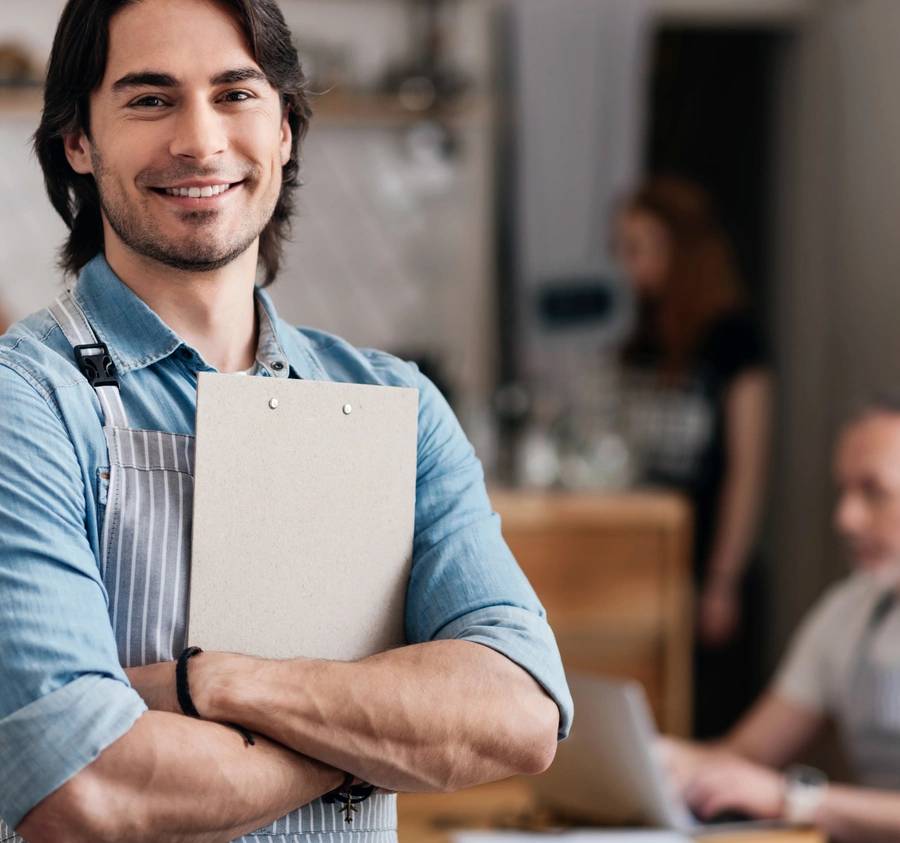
239 74
145 79
157 79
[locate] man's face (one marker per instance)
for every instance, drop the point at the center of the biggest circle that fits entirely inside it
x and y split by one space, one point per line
867 469
183 109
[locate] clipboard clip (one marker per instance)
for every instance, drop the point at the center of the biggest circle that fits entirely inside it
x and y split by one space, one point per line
96 364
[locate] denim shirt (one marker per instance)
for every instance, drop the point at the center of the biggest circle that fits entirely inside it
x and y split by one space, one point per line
63 695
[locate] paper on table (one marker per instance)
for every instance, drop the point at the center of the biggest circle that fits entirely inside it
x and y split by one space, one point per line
604 835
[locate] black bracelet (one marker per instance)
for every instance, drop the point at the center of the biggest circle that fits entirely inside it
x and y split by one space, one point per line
349 795
183 692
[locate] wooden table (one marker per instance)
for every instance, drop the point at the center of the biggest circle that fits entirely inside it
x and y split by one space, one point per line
433 818
613 572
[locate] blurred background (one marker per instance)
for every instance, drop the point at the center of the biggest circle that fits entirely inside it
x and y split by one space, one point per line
483 195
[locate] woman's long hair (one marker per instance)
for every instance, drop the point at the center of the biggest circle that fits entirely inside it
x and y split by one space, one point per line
702 282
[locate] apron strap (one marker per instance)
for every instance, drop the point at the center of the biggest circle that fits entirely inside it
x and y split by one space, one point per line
92 357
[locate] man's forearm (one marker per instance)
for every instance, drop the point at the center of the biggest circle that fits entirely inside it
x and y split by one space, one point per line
180 780
860 815
435 716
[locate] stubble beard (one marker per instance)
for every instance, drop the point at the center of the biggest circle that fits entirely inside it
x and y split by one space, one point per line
198 252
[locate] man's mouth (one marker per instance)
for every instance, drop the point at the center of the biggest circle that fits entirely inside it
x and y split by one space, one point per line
206 191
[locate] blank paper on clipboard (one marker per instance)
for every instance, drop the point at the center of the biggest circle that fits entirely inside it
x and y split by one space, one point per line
304 504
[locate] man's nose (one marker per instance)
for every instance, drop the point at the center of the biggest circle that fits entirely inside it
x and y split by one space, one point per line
199 132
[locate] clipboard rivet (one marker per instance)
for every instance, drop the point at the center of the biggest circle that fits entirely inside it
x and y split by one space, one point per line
273 403
347 409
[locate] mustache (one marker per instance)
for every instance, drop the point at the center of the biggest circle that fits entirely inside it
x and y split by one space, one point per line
177 173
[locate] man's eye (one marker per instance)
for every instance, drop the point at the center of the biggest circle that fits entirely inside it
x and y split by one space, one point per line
149 101
237 96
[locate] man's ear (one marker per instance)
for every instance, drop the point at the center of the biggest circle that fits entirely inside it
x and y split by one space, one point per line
78 152
287 138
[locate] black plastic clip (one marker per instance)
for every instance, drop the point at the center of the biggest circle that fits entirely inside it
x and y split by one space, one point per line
95 363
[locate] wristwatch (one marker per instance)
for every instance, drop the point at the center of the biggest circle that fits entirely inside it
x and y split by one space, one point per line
804 790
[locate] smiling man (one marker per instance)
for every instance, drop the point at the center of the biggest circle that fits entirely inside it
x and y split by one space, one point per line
169 142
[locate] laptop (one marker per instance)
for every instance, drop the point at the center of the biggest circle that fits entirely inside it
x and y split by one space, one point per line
608 771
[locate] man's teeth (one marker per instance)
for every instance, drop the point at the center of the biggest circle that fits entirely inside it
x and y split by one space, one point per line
198 192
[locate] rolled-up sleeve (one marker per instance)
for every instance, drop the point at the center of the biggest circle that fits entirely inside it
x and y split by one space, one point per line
465 583
63 695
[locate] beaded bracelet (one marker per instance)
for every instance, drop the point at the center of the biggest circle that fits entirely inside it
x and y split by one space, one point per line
183 691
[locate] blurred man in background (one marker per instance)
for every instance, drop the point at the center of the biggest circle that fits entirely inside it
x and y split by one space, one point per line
843 666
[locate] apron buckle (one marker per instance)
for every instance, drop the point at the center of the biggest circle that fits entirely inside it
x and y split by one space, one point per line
95 363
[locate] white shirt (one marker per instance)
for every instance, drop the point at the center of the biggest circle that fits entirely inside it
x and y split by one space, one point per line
822 670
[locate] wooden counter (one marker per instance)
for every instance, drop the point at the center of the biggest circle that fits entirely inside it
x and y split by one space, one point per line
433 818
613 572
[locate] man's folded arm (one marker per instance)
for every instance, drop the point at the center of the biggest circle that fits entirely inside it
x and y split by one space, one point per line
180 780
81 758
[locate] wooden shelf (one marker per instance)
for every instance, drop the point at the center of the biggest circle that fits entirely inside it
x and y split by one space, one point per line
381 110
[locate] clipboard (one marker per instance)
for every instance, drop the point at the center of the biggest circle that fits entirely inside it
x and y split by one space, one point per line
304 509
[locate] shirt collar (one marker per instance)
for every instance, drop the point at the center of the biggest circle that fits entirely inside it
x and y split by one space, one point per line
136 337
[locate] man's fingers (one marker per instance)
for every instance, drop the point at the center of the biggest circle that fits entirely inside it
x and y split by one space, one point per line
709 791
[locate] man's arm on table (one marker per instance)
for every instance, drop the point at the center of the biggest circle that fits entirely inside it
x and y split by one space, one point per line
82 761
774 732
860 815
846 814
478 695
786 718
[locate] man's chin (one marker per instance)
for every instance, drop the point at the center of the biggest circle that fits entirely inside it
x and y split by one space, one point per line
188 258
885 570
200 252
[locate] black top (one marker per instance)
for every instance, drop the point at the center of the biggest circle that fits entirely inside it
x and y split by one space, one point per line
678 428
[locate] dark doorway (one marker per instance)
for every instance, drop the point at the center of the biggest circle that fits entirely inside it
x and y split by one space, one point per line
710 119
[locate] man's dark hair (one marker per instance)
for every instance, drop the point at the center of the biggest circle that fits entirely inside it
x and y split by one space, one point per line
76 68
879 403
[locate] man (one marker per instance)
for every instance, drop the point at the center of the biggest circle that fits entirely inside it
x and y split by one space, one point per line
844 665
169 143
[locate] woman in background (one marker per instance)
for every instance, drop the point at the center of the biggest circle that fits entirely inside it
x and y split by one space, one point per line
697 389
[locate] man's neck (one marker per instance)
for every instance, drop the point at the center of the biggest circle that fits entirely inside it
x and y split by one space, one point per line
211 311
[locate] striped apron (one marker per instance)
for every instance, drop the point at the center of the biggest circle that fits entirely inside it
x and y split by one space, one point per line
871 725
145 497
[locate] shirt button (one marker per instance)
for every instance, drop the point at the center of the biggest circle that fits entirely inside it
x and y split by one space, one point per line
277 365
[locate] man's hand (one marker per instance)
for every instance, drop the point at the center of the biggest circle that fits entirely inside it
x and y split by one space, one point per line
729 783
682 760
713 780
